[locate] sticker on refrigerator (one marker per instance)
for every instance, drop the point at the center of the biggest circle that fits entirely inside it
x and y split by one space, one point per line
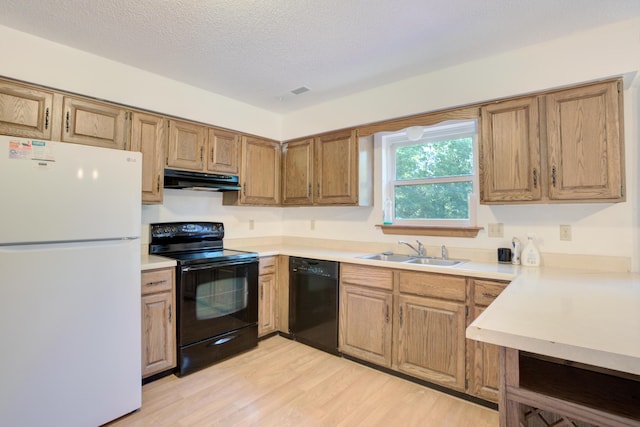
20 150
42 150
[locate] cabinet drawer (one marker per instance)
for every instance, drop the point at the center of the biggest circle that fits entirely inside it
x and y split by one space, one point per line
433 285
485 291
267 265
157 280
372 277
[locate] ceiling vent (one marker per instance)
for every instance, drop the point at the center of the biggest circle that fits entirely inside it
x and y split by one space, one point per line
300 90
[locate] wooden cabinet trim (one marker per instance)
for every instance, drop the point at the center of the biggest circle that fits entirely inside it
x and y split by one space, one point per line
372 277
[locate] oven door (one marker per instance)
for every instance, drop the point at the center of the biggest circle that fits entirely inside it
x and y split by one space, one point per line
216 298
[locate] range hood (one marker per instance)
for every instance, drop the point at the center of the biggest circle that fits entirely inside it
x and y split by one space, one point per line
200 181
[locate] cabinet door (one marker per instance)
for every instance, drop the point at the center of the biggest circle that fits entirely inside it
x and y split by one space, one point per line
584 131
185 149
483 358
266 304
223 151
431 341
365 329
297 172
93 123
158 332
336 171
25 112
148 137
260 177
510 151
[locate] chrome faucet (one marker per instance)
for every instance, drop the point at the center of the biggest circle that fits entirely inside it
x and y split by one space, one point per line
420 251
443 252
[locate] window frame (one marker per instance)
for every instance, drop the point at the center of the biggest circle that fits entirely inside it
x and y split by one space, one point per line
442 131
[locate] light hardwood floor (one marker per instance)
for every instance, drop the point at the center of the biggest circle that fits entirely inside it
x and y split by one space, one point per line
285 383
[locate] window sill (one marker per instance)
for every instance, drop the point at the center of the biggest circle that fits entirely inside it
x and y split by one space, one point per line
430 230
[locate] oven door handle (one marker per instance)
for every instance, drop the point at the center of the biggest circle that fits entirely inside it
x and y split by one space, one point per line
217 264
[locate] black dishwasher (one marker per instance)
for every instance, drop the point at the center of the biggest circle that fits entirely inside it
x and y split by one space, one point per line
313 302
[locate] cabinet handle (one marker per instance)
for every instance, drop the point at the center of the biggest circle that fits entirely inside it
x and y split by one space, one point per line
158 185
244 189
400 316
386 316
67 122
535 178
309 192
46 118
170 313
262 292
318 189
488 295
202 154
157 282
553 176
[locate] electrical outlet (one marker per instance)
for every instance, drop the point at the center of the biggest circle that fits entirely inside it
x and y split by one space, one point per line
251 224
565 232
312 224
496 229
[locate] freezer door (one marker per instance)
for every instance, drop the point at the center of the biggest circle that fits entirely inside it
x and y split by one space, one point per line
54 191
70 332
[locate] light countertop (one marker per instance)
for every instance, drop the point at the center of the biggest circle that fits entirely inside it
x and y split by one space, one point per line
588 317
151 262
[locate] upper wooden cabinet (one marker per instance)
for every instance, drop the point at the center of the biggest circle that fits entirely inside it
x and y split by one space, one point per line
259 174
223 151
510 151
148 137
93 123
185 149
326 170
559 146
24 111
297 172
198 148
585 142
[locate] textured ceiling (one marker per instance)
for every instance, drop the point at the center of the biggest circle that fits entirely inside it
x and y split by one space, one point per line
257 51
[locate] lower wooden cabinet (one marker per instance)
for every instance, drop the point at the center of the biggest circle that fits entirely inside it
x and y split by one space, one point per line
414 323
267 295
431 340
158 321
482 357
366 324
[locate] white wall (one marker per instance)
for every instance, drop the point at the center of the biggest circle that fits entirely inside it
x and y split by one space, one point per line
600 229
40 61
598 53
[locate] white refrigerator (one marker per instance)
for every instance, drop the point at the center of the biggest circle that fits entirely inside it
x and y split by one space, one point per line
69 283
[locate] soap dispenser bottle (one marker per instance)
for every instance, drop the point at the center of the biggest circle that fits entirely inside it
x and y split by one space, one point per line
530 255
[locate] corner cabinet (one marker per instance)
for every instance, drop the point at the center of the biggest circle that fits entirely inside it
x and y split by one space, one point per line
330 169
158 321
483 358
259 174
267 295
148 137
555 147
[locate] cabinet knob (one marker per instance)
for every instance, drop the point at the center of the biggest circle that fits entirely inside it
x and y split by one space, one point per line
535 178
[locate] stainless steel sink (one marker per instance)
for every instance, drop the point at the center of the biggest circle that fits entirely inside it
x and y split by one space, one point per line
435 261
388 257
412 259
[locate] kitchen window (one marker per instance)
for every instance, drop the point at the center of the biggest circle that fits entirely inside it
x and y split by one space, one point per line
429 175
